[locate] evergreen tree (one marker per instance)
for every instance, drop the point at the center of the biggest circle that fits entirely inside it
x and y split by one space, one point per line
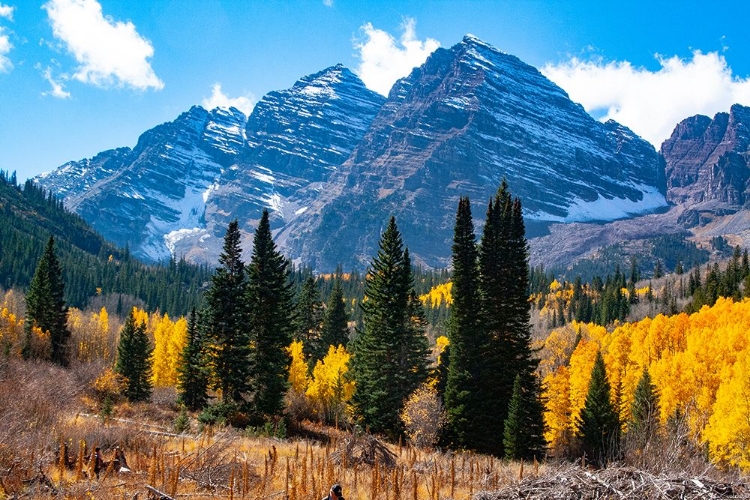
390 354
463 387
270 299
335 320
644 412
503 292
523 433
134 360
309 320
599 425
227 321
658 269
192 373
45 306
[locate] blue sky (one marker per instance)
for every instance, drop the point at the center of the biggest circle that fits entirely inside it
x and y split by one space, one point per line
81 76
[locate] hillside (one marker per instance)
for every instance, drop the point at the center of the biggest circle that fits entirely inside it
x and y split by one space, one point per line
91 265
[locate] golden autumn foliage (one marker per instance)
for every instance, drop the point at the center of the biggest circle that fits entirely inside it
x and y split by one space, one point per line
11 332
700 365
440 294
93 336
169 341
329 390
298 378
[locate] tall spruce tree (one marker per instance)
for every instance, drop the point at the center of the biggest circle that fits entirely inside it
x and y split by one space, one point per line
463 387
227 321
45 306
503 293
335 320
599 424
644 412
270 299
192 372
523 432
309 320
134 361
390 353
497 370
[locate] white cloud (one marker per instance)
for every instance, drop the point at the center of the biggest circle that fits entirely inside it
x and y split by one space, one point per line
6 11
651 103
6 65
5 46
58 90
109 52
383 60
218 99
328 3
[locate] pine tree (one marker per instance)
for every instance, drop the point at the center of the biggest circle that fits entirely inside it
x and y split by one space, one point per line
644 412
227 321
134 359
523 433
599 425
390 354
309 320
269 298
463 387
45 306
192 373
503 292
335 321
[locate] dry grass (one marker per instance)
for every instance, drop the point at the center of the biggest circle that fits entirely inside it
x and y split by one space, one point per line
51 422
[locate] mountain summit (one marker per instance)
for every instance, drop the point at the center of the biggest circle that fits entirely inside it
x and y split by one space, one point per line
332 160
468 117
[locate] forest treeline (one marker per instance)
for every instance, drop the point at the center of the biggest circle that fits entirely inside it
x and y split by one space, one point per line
90 265
441 358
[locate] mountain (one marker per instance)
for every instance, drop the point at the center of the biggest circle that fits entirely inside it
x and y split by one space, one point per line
332 160
708 162
295 139
176 191
467 118
707 173
137 197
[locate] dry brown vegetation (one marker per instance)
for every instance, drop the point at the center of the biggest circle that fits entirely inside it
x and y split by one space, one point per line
52 419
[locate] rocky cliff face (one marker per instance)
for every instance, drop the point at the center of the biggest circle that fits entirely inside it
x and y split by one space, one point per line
295 139
139 197
708 160
176 191
332 161
468 117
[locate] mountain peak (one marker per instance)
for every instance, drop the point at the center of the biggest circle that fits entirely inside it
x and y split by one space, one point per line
475 41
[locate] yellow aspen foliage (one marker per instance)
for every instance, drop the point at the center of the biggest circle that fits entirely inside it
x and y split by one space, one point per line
11 332
423 416
554 286
557 420
440 294
581 363
140 316
329 390
728 429
557 348
91 335
169 340
441 343
298 378
699 363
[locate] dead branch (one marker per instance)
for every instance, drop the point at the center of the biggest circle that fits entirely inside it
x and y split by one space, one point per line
575 482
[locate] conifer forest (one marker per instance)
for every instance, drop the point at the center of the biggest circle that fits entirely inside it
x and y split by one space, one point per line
255 377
